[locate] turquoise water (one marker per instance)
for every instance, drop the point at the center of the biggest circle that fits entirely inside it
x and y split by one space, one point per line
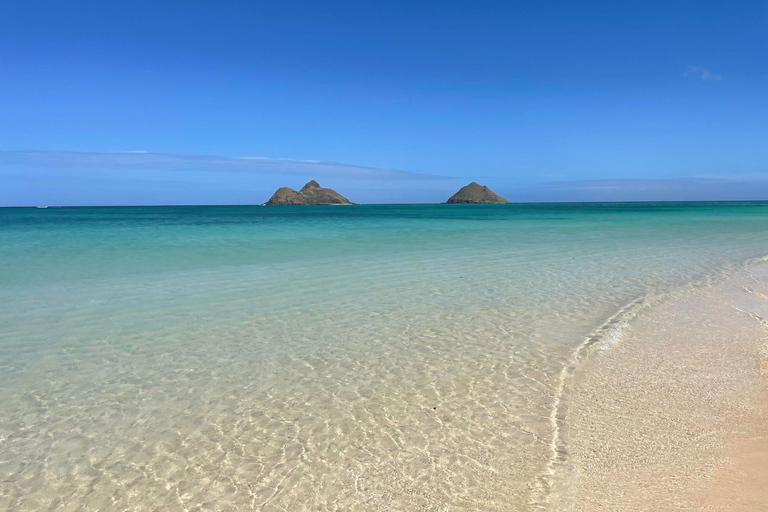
288 358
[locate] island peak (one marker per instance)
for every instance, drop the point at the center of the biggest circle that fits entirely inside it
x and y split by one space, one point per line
474 193
310 185
310 194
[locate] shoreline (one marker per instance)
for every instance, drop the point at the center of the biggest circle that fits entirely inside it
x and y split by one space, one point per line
252 361
611 329
666 407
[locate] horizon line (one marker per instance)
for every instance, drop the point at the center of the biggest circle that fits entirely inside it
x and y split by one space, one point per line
42 207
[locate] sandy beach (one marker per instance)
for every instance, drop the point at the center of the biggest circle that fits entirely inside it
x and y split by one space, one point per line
673 415
546 290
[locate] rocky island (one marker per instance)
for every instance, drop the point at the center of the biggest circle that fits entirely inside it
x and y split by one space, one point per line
310 194
475 193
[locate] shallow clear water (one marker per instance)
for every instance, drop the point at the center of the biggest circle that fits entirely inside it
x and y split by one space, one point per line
288 358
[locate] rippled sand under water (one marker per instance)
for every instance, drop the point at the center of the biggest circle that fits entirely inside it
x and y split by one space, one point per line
401 426
375 358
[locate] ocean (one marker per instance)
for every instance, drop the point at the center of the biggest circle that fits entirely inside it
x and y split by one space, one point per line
372 357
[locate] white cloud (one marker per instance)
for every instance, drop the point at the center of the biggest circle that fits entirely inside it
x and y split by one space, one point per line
134 160
702 73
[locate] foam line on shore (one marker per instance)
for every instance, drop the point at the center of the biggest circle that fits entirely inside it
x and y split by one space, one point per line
604 336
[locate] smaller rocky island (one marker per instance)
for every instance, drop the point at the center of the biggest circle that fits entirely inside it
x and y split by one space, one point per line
475 193
310 194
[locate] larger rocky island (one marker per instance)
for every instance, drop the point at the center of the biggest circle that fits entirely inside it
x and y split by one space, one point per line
475 193
310 194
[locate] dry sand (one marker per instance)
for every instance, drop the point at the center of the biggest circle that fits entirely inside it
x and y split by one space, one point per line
674 416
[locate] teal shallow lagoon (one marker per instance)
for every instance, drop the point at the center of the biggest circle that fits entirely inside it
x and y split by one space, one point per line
284 358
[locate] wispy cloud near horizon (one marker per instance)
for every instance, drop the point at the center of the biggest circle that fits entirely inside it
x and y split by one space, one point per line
742 177
702 74
140 160
720 187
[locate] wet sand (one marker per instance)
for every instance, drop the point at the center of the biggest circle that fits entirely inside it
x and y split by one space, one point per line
675 415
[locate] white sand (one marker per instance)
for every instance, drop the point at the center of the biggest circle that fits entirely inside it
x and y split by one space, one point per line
674 416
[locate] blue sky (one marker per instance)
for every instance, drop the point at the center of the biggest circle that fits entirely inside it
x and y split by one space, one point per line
223 101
